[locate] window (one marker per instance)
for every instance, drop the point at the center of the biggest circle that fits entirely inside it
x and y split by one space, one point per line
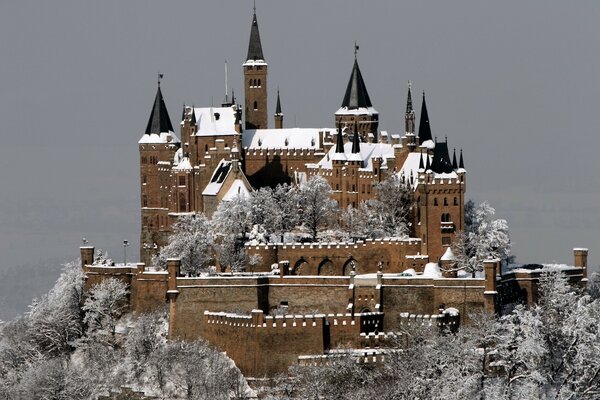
375 171
455 201
363 188
435 202
144 179
182 203
445 201
446 241
259 85
353 188
144 160
337 186
255 105
206 148
250 83
182 181
144 201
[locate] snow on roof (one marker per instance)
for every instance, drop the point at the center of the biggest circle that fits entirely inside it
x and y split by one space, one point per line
368 151
254 62
237 189
428 144
215 121
448 255
432 270
287 138
164 137
183 165
217 179
356 111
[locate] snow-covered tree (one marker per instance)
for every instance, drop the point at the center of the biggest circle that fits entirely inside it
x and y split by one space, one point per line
317 207
483 238
192 242
104 304
231 224
393 205
276 210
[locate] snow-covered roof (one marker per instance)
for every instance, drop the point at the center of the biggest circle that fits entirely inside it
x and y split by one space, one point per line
356 111
448 255
368 151
432 270
429 144
217 179
215 121
183 165
254 62
164 137
287 138
238 188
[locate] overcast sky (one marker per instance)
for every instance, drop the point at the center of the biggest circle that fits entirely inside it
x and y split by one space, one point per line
513 83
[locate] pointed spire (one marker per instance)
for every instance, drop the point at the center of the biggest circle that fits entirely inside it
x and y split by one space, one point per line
278 107
421 166
254 46
428 165
424 128
454 164
355 140
356 92
409 104
193 115
232 97
159 120
339 142
441 158
461 164
183 113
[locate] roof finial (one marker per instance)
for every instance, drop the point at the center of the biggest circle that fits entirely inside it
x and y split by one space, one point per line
355 49
160 76
254 7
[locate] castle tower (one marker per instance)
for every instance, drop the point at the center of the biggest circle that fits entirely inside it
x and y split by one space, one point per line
278 113
357 108
255 81
409 121
157 148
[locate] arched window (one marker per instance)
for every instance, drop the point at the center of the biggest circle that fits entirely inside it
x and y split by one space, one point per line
255 105
250 83
259 83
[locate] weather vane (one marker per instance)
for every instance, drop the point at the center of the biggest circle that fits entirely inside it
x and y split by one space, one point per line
355 49
160 76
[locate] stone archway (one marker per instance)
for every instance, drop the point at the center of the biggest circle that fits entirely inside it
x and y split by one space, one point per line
348 266
326 267
301 267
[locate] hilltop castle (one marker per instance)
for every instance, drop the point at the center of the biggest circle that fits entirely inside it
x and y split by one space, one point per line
217 157
324 295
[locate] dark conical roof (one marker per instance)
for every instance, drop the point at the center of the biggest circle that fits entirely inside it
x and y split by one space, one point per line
339 142
424 128
441 159
356 93
254 47
278 107
356 141
421 166
461 163
159 120
454 164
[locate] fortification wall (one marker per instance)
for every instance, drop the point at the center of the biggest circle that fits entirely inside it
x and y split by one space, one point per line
263 346
335 258
148 291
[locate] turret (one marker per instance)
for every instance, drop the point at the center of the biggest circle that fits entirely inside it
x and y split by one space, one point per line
409 121
356 105
278 113
255 81
425 138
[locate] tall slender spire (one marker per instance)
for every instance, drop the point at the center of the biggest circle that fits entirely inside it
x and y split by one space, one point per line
278 107
424 128
356 92
461 164
254 46
159 120
454 164
356 140
409 104
427 165
421 166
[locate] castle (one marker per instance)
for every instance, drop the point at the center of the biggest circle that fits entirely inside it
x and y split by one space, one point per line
324 295
218 157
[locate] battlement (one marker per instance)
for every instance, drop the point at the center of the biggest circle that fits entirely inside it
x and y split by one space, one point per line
448 318
337 245
288 152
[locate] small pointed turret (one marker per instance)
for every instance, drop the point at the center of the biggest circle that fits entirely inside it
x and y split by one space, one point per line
278 113
356 141
409 119
409 104
461 164
339 142
421 166
427 165
424 128
254 46
441 163
159 120
193 118
454 164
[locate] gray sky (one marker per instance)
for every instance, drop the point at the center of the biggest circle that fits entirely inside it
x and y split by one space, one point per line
514 83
